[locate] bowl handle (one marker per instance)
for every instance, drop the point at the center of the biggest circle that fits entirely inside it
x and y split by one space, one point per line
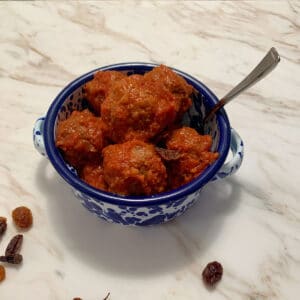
38 138
237 149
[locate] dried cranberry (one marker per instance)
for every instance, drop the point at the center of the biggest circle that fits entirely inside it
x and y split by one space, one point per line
212 273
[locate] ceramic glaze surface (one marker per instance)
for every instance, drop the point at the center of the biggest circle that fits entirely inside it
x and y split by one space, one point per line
249 222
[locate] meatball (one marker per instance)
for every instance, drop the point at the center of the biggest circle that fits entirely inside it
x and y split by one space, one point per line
93 175
133 168
97 89
137 109
174 83
195 155
81 138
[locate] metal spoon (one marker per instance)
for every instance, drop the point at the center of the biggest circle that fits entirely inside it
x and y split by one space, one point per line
268 63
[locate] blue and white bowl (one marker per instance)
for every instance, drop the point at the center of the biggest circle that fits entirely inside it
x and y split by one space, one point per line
135 210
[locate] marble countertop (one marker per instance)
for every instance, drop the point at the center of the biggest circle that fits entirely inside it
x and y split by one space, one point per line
250 222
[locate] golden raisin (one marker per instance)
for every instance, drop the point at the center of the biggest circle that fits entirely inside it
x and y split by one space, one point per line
22 217
2 273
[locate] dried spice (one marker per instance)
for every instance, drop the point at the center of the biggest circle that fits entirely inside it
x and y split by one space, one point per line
14 245
2 273
12 259
12 255
3 225
22 217
168 154
212 273
106 298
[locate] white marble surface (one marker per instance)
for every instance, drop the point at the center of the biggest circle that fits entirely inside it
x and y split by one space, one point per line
250 222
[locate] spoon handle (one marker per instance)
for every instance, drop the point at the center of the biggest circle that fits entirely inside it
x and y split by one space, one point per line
268 63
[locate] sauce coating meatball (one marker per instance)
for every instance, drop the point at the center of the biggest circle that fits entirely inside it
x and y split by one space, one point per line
137 109
81 138
93 175
133 168
195 155
181 90
97 89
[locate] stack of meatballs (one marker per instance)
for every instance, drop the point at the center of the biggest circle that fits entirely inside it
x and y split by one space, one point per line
113 143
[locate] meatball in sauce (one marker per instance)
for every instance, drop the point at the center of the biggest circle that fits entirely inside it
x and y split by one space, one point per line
134 168
81 138
195 155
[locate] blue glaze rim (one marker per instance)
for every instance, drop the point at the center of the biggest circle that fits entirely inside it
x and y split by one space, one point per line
185 190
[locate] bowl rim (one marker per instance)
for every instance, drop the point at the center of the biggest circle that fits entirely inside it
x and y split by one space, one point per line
57 161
